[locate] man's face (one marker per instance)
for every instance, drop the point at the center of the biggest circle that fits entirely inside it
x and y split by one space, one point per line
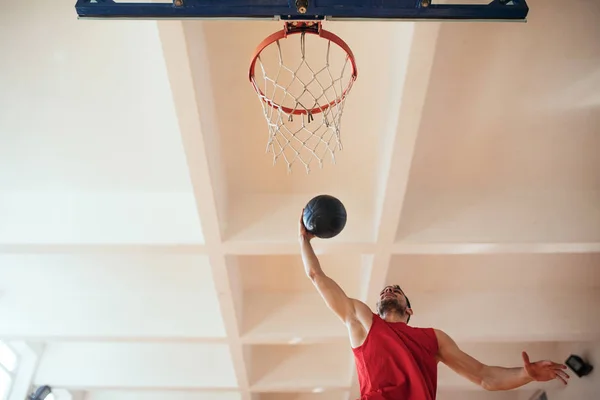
391 298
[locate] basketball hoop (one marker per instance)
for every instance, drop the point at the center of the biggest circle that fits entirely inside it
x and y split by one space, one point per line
303 102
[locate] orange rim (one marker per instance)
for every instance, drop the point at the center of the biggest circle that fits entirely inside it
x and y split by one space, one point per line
282 34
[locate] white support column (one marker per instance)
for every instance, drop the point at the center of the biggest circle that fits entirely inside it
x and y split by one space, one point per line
398 160
196 118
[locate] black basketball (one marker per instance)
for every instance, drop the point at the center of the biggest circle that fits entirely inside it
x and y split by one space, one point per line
324 216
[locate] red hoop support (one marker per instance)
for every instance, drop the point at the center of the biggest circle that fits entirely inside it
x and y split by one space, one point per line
302 27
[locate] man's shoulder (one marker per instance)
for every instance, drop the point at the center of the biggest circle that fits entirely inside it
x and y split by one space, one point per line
362 308
362 312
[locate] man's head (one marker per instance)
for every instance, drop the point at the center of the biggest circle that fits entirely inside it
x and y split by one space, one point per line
392 300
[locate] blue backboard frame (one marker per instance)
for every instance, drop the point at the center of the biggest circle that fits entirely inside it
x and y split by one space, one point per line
316 10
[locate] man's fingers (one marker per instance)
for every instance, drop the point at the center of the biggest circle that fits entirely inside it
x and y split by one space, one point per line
561 378
526 358
562 374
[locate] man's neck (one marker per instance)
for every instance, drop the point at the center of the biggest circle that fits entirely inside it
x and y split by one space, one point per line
394 317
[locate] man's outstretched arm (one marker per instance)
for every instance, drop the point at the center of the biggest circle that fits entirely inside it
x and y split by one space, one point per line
496 378
347 309
333 295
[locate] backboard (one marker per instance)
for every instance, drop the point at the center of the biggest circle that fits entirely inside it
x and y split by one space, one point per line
306 10
303 84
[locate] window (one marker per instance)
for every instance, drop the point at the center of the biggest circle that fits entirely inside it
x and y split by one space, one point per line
5 381
8 364
8 358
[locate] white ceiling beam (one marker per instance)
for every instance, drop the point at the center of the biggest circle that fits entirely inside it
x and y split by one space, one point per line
204 368
111 339
546 313
495 248
330 247
406 129
453 394
323 247
409 107
194 115
103 249
161 395
86 387
280 248
295 389
539 318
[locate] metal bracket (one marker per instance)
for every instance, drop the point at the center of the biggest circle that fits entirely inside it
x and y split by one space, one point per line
302 26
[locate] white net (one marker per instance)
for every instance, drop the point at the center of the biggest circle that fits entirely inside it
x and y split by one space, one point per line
302 88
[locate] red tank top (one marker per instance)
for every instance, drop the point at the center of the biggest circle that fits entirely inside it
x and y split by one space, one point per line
397 362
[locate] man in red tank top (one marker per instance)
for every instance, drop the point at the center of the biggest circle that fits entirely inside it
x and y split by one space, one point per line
395 361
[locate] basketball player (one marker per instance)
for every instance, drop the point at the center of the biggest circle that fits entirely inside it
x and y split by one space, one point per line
395 361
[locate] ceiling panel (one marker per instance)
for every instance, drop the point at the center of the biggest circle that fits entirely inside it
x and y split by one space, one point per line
286 273
286 368
112 296
516 216
87 107
164 366
488 272
509 315
275 291
290 318
92 218
514 105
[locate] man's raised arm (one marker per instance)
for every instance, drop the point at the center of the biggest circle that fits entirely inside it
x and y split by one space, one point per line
336 299
492 377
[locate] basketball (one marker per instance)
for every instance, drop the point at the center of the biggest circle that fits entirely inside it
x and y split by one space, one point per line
324 216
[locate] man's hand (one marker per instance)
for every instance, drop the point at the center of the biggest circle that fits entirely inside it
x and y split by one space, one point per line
543 371
303 234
